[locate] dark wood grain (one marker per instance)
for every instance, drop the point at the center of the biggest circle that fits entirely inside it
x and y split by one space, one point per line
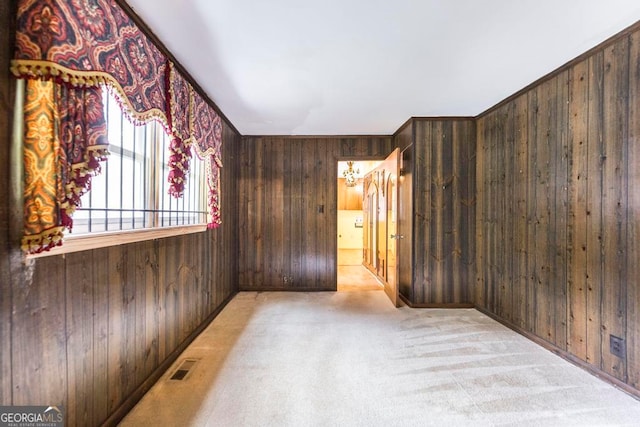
289 199
92 328
520 217
39 351
559 253
422 213
571 271
507 209
593 210
442 213
577 221
404 140
633 217
7 11
481 184
614 200
80 337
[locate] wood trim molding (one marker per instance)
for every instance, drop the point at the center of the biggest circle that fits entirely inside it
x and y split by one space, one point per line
100 240
565 355
436 305
242 288
443 118
402 126
127 405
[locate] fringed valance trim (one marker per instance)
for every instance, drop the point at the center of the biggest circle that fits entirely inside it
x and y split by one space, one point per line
179 161
208 153
81 176
44 241
45 70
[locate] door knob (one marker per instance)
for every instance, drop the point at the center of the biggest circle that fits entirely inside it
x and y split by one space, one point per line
397 236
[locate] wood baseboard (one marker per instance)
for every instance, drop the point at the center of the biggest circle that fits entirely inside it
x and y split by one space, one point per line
436 305
127 405
279 289
565 355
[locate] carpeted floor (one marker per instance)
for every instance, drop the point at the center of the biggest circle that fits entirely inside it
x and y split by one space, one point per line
351 359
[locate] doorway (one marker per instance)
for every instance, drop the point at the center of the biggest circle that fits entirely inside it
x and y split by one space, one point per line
352 275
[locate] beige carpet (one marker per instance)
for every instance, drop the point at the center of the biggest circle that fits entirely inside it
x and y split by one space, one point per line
351 359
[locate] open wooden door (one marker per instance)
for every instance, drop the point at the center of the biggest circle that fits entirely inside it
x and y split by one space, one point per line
380 214
387 175
389 170
405 223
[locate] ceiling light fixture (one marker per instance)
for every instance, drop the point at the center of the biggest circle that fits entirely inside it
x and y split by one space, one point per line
350 175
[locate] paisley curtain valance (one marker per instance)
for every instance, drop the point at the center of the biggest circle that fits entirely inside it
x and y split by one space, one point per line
87 45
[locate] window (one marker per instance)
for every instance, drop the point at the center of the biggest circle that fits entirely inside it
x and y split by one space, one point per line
131 192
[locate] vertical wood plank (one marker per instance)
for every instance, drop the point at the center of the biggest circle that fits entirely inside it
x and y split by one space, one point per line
39 359
508 212
633 216
437 241
459 227
138 276
448 286
79 327
577 226
558 317
296 215
100 368
328 217
543 226
115 364
467 203
246 199
417 219
503 248
8 249
532 207
495 237
147 271
422 212
481 187
309 187
614 198
593 209
521 211
259 240
495 231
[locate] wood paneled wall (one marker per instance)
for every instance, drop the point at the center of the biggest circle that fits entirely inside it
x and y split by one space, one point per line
88 329
444 212
403 139
287 208
7 9
558 216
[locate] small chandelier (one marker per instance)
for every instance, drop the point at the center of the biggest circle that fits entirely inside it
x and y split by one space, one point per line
350 175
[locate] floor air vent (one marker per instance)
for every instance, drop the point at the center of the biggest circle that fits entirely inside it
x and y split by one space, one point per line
183 370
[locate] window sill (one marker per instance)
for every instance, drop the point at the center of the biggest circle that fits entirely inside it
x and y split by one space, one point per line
113 238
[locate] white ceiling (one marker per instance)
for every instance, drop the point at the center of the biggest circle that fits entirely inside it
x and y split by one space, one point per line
345 67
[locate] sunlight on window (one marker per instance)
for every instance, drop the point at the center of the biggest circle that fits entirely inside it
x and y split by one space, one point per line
131 192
